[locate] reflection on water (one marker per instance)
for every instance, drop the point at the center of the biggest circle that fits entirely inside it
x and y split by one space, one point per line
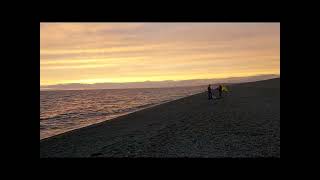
62 111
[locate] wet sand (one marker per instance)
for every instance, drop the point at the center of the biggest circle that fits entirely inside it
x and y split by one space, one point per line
244 123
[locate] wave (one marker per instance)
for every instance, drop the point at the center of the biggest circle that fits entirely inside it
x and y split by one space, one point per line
63 111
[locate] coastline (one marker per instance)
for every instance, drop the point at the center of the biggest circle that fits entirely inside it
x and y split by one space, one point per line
244 123
122 114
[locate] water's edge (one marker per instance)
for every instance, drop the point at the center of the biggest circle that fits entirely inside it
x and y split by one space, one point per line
125 114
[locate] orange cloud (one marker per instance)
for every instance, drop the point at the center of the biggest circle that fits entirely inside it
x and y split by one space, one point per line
127 52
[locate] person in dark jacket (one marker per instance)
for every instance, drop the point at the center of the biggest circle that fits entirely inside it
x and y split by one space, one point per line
220 90
209 92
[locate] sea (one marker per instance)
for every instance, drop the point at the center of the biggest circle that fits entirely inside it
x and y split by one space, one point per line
66 110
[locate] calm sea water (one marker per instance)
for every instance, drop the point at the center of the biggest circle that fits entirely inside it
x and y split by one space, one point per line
62 111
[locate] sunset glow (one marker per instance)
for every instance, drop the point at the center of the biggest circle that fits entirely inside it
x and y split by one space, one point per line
134 52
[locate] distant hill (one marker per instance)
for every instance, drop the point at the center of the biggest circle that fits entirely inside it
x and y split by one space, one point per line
158 84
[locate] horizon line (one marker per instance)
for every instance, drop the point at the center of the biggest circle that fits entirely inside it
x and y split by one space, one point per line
157 81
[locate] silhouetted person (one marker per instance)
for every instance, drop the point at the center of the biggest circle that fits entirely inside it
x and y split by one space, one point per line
220 90
209 92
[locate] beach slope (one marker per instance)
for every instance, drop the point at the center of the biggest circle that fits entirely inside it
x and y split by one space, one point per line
244 123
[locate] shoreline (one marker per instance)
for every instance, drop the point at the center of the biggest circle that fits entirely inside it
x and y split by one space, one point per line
124 114
244 123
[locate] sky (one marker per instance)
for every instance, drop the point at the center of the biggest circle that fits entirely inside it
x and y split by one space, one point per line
135 52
